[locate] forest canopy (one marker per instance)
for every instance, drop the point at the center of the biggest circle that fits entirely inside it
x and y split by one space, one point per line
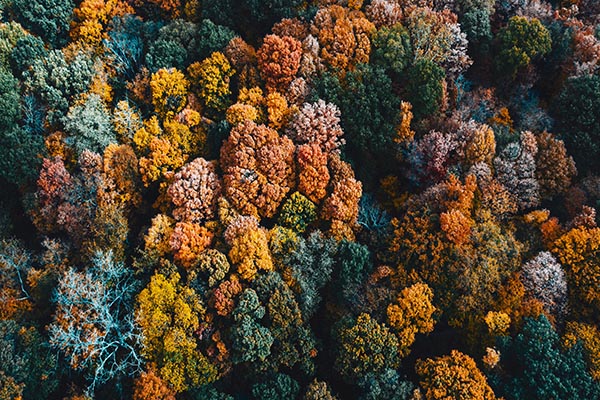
299 199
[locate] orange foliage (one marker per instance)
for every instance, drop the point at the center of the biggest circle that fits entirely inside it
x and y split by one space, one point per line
344 37
454 376
259 168
313 175
187 241
149 386
279 61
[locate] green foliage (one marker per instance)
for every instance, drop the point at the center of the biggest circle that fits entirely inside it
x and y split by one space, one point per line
278 387
27 49
386 385
312 263
9 100
364 347
212 38
297 213
520 42
20 152
48 19
391 48
577 112
354 264
365 91
89 126
535 366
424 88
251 341
28 360
56 81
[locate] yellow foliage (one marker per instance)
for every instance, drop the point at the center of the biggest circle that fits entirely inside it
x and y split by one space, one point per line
578 251
169 91
403 132
412 313
126 121
589 335
210 79
156 241
454 376
497 322
491 357
482 146
168 315
163 157
278 110
238 113
250 253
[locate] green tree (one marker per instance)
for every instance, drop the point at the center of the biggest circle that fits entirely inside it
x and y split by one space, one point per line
48 19
391 48
365 346
365 91
520 42
27 49
251 341
278 387
424 87
577 112
28 360
89 125
535 366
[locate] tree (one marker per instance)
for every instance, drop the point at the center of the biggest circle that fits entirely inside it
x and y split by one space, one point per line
27 363
168 314
92 325
576 110
515 168
15 265
297 213
56 80
411 313
424 88
453 376
589 337
188 240
89 125
195 190
344 37
345 192
533 365
251 341
149 386
317 123
544 278
369 89
365 346
577 251
313 174
169 91
48 19
279 61
280 386
258 168
26 50
294 344
249 250
210 80
554 167
520 42
391 47
318 391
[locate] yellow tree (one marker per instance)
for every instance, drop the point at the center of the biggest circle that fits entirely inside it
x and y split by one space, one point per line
454 376
168 315
578 252
210 81
169 90
249 247
411 313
